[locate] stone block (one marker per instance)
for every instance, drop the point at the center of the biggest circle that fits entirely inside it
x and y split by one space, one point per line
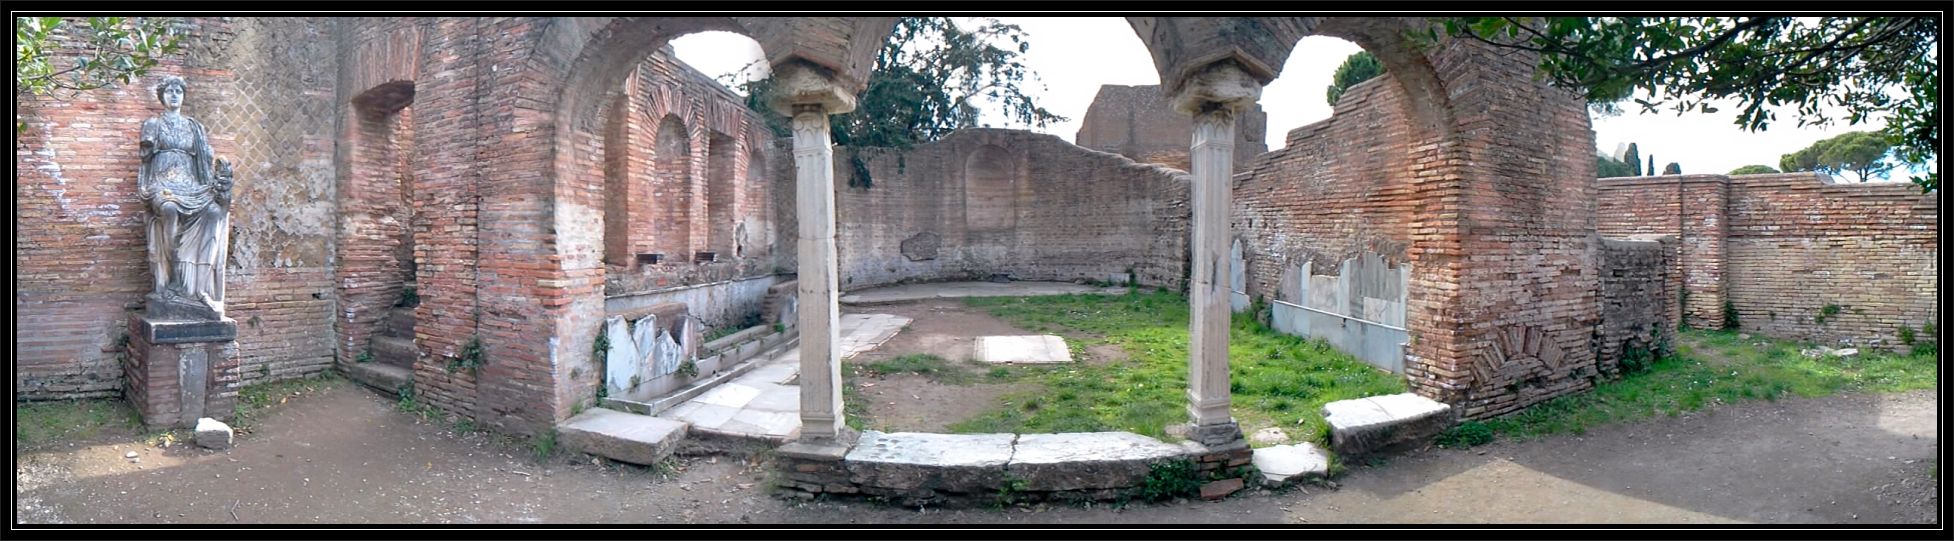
387 378
1040 349
177 332
908 461
1366 425
624 437
213 434
1087 461
1284 464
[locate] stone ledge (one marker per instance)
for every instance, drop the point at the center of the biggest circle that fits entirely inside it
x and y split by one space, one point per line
1380 423
624 437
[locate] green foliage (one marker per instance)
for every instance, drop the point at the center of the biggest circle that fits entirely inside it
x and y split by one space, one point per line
1753 170
37 423
1862 153
254 400
544 444
1276 379
1826 313
1178 478
1357 68
364 357
689 368
1010 491
1672 169
1866 66
1606 167
934 367
929 77
1716 367
1634 160
112 51
1730 316
470 357
409 297
1465 435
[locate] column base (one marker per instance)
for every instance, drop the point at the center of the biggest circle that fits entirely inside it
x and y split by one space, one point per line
176 372
1218 434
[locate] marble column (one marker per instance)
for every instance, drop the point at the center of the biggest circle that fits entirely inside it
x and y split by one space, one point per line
808 94
820 317
1214 97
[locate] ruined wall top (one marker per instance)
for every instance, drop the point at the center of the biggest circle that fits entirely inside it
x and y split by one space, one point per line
1137 122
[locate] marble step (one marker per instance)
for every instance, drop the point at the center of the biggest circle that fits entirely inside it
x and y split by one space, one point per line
620 436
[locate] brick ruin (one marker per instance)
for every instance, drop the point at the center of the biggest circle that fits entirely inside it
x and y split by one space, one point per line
1137 122
1773 251
527 177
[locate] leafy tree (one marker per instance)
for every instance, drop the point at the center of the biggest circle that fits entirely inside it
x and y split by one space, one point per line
1608 167
926 79
1672 169
1753 170
1865 65
1357 68
1863 154
112 51
1634 160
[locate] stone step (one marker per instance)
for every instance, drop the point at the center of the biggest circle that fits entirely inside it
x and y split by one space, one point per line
1383 423
385 377
400 322
394 350
620 436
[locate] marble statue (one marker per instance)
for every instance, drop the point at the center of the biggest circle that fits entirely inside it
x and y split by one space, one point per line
189 218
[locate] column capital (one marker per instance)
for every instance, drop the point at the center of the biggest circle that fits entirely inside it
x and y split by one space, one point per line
798 83
1223 85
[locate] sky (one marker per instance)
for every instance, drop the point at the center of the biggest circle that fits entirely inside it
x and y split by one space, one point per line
1073 56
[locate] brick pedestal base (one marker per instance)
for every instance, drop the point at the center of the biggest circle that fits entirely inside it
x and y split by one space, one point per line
177 372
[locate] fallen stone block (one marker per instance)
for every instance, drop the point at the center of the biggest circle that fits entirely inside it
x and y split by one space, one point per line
620 436
213 434
1285 464
1367 425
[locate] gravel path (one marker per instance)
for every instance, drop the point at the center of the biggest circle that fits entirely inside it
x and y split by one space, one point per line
345 455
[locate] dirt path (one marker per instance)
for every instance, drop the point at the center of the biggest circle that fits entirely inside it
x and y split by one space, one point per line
947 328
345 455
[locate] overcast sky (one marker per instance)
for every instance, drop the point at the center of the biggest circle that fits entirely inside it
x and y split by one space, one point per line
1072 56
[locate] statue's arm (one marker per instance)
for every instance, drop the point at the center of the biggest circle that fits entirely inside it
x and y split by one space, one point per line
147 149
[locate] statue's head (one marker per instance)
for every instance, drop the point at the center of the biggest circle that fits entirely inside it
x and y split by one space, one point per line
170 91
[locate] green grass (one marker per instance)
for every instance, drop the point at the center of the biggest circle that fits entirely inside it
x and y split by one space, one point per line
37 423
931 366
1277 379
1716 367
253 402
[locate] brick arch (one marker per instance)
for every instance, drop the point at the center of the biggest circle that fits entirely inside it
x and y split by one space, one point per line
1493 167
541 184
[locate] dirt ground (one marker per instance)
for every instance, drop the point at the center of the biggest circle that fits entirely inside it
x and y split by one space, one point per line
346 455
947 328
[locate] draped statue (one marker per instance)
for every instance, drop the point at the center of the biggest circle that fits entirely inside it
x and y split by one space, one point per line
189 217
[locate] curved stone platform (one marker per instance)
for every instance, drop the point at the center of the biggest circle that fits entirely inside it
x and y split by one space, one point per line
913 468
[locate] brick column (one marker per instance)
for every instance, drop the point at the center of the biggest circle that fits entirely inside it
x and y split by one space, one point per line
1214 97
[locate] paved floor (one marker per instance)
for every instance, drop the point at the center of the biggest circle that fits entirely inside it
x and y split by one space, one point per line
946 290
765 403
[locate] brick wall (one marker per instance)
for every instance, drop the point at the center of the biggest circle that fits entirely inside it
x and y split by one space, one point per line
1045 210
1638 299
263 88
1780 248
1137 122
1482 195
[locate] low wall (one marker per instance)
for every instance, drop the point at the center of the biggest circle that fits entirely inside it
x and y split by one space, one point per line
1794 255
1639 311
990 201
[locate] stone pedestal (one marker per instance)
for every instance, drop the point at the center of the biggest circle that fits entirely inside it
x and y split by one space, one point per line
179 371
